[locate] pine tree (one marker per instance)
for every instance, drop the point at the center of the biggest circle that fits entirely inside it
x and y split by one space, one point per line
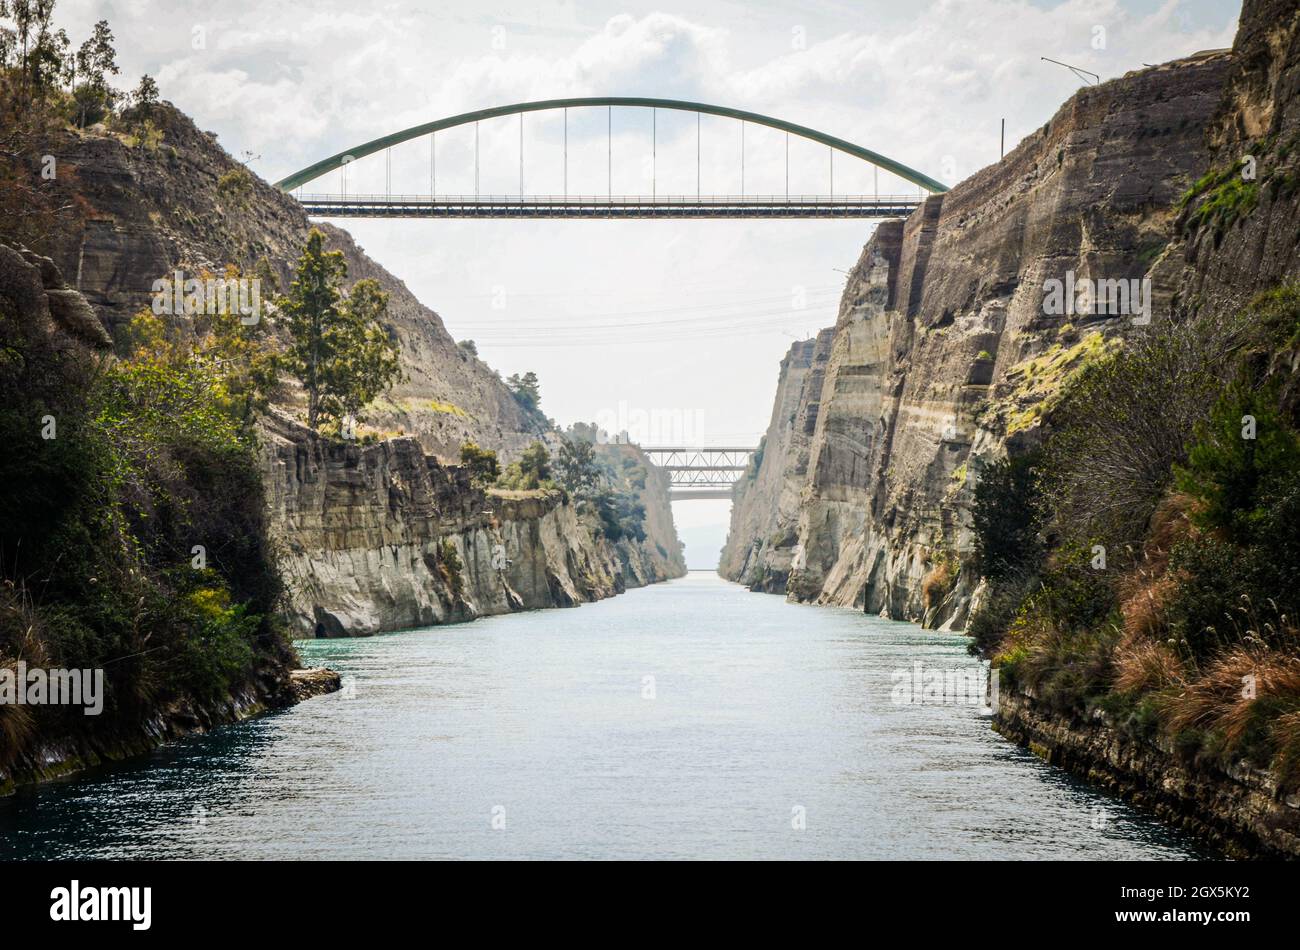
339 350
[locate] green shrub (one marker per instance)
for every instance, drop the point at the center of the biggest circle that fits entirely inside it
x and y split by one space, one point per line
101 523
1006 515
482 464
991 620
449 564
531 472
1242 455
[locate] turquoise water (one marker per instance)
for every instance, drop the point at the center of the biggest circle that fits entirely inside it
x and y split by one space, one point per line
689 719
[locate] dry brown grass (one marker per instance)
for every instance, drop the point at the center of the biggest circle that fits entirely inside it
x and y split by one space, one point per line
1144 602
1145 593
1286 733
1222 698
1170 524
20 639
936 585
1144 665
1143 660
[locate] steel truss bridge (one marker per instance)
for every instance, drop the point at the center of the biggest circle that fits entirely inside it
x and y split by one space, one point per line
700 472
431 204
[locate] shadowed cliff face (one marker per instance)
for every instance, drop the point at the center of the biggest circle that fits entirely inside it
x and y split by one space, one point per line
765 502
383 537
141 211
943 354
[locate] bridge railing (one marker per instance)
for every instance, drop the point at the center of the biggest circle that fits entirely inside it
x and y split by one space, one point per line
865 200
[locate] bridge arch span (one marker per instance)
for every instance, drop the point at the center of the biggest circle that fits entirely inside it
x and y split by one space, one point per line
325 165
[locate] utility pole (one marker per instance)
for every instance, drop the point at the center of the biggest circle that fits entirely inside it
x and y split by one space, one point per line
1081 73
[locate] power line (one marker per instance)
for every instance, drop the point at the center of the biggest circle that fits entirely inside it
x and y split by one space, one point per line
678 291
541 336
769 298
701 321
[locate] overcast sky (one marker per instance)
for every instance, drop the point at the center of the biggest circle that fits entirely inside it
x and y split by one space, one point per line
685 319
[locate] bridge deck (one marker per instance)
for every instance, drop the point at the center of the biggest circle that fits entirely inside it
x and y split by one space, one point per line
609 206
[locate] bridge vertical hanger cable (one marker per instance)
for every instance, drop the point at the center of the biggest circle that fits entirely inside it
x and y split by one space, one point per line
609 156
379 144
388 172
433 165
742 158
654 168
787 165
697 156
831 152
521 155
475 159
566 153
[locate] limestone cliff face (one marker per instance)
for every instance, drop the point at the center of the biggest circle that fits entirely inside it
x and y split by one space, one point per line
384 537
1255 142
765 502
942 354
660 555
141 211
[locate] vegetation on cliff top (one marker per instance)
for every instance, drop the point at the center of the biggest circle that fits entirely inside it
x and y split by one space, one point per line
599 478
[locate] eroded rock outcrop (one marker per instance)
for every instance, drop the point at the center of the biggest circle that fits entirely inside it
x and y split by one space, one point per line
1239 229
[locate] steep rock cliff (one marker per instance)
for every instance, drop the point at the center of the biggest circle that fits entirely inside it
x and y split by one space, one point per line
356 523
943 354
384 537
141 209
1239 228
765 502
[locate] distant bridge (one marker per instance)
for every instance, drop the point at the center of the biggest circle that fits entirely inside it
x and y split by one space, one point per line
431 204
696 473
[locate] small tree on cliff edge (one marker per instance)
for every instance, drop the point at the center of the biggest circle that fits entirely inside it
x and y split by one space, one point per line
339 351
482 464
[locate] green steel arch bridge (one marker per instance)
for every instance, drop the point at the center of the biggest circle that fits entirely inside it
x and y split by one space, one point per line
608 205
